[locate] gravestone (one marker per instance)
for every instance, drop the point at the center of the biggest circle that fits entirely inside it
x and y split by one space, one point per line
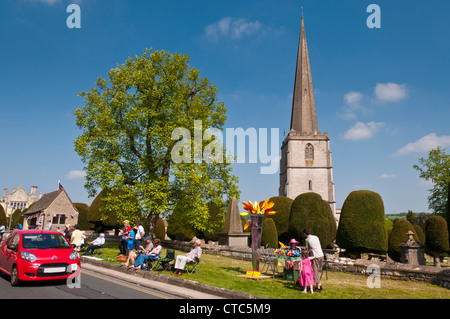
232 234
412 252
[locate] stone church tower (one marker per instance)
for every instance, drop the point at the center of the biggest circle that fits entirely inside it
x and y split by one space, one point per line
305 153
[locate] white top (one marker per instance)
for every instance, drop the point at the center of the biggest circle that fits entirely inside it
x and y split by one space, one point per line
313 242
140 232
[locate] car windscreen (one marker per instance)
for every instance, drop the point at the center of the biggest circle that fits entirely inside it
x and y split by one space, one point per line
44 241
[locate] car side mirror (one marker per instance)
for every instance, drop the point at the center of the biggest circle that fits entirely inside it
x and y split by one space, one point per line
12 247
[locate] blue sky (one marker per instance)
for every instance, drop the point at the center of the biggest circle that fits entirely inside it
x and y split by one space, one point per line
381 94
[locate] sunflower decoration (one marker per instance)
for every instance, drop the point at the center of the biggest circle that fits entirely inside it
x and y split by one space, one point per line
257 208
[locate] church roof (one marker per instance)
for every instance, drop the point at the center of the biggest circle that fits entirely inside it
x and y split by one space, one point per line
303 117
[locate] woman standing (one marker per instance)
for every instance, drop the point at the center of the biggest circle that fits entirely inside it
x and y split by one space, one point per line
123 240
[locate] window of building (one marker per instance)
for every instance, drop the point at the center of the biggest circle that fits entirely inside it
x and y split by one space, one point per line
59 219
309 154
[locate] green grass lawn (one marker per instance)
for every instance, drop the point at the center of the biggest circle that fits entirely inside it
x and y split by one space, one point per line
224 272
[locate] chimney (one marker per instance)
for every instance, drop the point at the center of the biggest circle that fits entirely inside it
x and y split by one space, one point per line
33 190
5 194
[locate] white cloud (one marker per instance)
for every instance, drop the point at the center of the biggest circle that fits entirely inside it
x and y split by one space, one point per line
353 97
363 130
386 176
390 92
232 28
353 106
76 175
425 144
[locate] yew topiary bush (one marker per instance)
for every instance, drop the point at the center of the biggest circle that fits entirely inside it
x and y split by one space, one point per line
362 226
269 233
309 210
398 236
282 205
436 234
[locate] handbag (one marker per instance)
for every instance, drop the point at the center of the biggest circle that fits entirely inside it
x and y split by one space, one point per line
122 258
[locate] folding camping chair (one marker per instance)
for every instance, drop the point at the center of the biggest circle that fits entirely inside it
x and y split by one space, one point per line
98 250
147 265
164 263
193 266
270 262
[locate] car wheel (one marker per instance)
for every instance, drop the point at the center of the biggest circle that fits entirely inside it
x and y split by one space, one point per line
14 277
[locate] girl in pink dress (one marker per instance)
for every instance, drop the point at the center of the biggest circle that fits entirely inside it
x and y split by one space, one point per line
307 273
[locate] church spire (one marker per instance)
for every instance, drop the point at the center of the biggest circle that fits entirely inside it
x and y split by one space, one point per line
303 117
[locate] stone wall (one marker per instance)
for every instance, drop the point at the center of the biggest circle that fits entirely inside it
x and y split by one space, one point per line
388 270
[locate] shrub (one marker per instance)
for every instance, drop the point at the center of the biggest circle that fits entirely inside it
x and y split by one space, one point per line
309 210
160 229
83 210
420 234
178 229
269 233
216 220
96 215
362 226
282 205
398 236
436 234
3 216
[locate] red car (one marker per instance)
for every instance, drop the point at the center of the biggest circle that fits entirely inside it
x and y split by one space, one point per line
35 255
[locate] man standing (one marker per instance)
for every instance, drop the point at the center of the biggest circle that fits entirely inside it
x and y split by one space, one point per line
313 243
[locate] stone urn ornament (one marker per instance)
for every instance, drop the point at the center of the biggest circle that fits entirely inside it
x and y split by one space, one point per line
257 211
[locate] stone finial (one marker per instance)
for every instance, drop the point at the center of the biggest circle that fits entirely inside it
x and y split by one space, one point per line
410 234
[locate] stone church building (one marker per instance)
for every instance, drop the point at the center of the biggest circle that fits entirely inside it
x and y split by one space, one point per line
305 153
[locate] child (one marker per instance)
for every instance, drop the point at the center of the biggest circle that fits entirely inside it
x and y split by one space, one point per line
307 273
130 240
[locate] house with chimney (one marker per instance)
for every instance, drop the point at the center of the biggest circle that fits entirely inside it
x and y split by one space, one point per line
56 207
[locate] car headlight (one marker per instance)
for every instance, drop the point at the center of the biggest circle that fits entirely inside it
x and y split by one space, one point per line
28 256
73 255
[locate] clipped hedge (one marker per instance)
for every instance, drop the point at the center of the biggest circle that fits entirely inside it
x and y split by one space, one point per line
3 220
398 236
282 205
309 210
83 210
362 226
269 233
436 233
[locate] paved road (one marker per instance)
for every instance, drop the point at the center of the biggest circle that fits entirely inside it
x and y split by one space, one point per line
96 283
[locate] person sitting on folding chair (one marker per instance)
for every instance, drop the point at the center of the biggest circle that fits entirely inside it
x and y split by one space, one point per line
133 255
195 253
95 244
152 255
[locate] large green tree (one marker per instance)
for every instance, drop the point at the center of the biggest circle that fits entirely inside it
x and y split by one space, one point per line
436 169
132 125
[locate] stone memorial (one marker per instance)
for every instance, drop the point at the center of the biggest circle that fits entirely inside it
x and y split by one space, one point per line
232 234
412 252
